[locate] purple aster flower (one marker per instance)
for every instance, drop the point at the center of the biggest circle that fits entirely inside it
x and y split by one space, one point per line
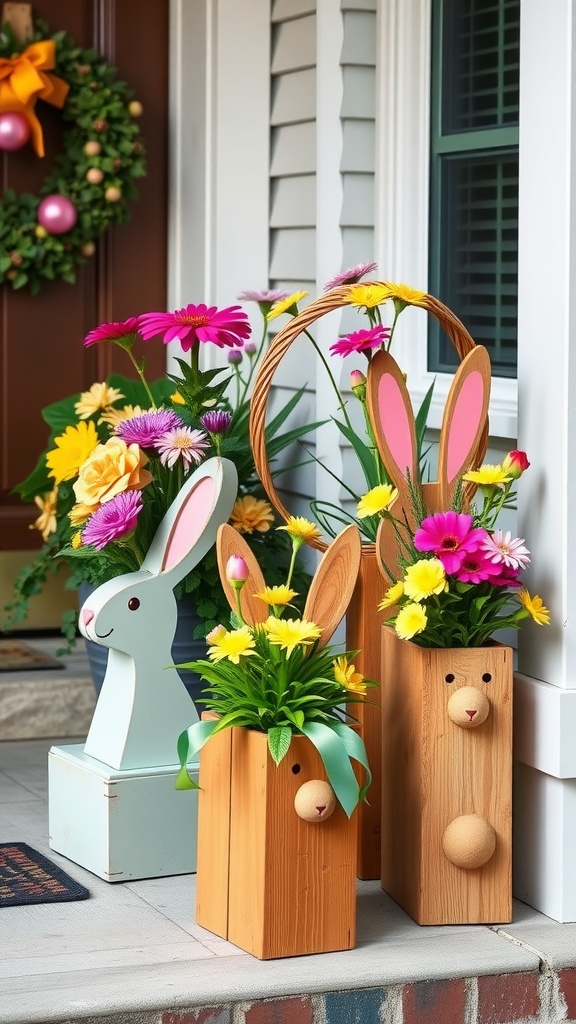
216 422
113 520
182 442
350 276
265 295
361 341
147 429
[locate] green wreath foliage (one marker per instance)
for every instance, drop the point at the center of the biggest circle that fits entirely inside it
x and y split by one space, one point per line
96 110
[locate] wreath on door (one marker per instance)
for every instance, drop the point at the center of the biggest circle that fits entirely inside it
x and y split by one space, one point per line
45 236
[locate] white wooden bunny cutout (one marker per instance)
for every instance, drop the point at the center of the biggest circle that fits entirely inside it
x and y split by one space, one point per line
143 705
462 438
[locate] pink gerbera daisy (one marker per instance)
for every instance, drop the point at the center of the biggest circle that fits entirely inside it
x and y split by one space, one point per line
182 443
476 567
502 547
113 520
361 341
350 276
122 333
204 323
450 536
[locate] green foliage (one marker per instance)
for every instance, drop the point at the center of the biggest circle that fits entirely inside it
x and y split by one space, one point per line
96 109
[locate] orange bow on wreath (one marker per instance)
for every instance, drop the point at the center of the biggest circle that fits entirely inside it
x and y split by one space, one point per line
23 80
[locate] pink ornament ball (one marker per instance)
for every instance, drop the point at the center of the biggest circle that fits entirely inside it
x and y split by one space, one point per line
57 214
14 131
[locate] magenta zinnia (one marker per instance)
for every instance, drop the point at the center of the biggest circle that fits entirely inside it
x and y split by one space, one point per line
182 443
350 276
147 429
450 536
113 520
223 327
476 567
361 341
121 332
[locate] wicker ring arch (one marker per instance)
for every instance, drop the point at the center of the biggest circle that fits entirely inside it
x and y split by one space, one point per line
328 303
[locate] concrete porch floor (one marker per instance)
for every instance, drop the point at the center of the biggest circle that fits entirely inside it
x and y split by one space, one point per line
133 954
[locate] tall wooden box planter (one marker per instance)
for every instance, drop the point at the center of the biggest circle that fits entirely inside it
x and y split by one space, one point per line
268 881
447 781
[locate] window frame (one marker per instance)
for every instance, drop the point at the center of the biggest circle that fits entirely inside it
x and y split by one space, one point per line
403 198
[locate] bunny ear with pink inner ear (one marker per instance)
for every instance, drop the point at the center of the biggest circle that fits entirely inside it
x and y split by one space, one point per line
230 542
392 419
464 421
189 527
334 581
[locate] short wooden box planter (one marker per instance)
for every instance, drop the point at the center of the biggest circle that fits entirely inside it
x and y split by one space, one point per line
447 781
268 881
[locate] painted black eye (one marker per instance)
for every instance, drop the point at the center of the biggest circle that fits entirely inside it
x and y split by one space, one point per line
133 604
486 678
296 769
449 678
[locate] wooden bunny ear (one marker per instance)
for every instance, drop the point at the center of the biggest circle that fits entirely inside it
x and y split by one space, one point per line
464 421
188 530
334 582
230 542
392 419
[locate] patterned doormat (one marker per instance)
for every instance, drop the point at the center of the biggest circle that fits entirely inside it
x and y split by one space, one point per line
28 877
16 656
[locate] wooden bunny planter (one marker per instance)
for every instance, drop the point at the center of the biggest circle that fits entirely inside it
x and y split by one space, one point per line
276 852
446 712
112 803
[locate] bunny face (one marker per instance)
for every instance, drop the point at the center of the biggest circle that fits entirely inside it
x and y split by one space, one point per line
468 707
315 800
124 611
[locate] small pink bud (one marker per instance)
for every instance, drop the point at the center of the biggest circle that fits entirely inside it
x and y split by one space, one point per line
250 348
515 463
237 571
235 356
358 384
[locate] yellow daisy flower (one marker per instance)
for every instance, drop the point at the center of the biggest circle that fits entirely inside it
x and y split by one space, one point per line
232 644
277 596
346 674
488 476
177 398
300 528
368 295
250 513
377 500
405 294
392 596
424 578
46 521
80 512
535 607
115 416
411 619
285 305
98 397
290 633
72 449
77 540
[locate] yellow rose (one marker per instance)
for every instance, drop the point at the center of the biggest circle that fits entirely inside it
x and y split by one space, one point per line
112 468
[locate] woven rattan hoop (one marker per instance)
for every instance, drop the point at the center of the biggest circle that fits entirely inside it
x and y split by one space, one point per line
327 303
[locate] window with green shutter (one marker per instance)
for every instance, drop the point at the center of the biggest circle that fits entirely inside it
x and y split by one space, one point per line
474 175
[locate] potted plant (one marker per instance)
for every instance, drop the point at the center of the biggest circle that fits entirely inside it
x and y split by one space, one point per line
277 828
119 453
453 581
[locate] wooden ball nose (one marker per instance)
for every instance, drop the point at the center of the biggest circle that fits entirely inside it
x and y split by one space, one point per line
469 841
468 707
314 800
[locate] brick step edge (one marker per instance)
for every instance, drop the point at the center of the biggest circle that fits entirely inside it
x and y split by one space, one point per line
546 997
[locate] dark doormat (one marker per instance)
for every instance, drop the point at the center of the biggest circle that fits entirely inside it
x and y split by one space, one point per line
16 656
28 877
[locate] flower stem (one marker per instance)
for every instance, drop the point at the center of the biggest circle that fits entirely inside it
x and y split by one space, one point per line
140 371
341 404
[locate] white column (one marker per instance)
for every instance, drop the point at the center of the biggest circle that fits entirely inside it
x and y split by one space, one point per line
329 192
545 691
